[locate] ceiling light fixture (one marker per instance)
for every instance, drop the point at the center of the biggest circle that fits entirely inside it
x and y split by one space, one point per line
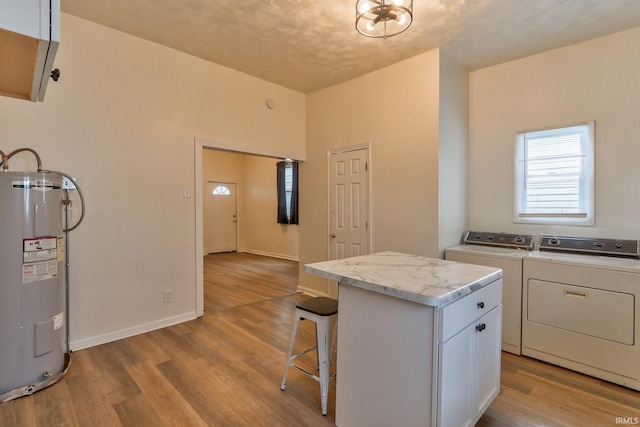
383 18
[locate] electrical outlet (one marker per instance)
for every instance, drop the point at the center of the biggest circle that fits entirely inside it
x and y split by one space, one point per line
168 296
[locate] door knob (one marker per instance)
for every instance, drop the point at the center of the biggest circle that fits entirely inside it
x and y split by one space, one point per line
333 235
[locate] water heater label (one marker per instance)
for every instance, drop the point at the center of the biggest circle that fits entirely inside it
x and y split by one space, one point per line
58 321
42 249
41 243
38 271
60 248
40 259
36 184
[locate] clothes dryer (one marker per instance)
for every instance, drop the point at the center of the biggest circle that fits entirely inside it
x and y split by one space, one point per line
504 251
581 306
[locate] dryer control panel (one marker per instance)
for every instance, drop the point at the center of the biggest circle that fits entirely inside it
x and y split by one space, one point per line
515 241
591 246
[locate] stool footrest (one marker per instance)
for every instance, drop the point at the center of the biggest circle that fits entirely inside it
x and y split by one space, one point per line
302 353
315 377
304 371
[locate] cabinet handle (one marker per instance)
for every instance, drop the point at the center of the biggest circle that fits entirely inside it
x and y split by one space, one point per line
481 304
574 294
481 327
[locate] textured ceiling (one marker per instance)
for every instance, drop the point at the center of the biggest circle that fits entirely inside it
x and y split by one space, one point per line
307 45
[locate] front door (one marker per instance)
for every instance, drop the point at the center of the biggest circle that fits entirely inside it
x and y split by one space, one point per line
220 217
349 202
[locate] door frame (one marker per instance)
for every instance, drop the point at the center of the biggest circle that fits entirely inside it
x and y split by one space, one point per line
237 207
198 182
339 150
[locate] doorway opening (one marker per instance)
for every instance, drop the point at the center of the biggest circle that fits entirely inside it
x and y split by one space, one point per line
253 172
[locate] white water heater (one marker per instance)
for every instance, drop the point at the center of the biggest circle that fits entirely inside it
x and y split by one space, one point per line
32 284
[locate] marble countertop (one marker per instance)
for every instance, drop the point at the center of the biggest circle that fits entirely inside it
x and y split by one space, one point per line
427 281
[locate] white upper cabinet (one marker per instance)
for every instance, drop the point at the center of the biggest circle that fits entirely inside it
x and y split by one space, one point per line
29 39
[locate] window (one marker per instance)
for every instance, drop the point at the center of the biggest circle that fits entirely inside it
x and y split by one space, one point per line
555 176
287 192
221 190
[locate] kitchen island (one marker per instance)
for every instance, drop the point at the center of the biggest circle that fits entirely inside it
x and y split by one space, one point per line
418 340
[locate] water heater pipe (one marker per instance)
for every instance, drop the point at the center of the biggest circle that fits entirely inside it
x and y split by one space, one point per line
67 264
5 161
66 201
5 166
67 229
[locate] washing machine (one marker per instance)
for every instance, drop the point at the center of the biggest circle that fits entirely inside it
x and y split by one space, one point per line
581 306
504 251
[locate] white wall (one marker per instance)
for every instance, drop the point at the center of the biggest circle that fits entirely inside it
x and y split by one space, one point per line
262 234
452 152
122 120
398 109
595 80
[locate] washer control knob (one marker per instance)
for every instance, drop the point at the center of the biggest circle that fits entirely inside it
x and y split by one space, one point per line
554 241
519 240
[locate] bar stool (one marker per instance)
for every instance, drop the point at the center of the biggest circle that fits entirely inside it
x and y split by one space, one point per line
324 312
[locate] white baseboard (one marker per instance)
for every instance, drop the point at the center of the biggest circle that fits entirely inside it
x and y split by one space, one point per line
311 292
271 254
129 332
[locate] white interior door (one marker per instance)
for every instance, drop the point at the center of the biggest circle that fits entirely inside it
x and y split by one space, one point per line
221 217
349 220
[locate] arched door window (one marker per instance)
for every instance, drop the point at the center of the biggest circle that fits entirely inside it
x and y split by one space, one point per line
221 190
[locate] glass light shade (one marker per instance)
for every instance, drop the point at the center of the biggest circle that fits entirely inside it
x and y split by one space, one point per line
383 18
364 6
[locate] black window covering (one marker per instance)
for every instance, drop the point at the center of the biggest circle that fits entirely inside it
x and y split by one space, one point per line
287 212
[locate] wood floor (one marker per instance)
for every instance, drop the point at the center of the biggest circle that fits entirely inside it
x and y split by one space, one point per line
225 369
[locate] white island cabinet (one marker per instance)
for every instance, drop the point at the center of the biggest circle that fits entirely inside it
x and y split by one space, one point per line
418 340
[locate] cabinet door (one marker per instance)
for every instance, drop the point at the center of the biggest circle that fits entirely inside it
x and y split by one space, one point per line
486 371
24 17
454 382
469 371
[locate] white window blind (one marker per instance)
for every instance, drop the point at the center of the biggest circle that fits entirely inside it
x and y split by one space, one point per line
288 185
555 175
